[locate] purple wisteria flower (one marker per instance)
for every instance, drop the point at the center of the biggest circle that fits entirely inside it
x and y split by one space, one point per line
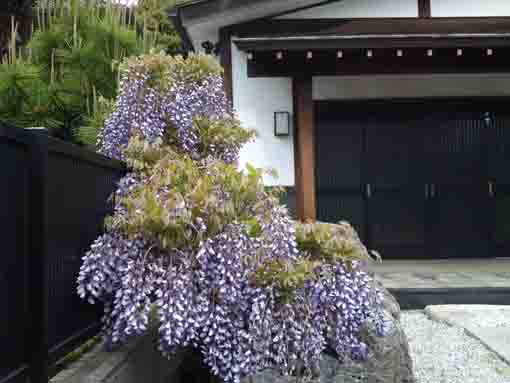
345 301
121 273
154 112
204 294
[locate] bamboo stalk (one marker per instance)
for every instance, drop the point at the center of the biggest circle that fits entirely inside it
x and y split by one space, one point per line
38 12
12 43
118 74
75 23
145 30
62 8
94 97
32 29
131 16
44 14
51 13
87 104
52 68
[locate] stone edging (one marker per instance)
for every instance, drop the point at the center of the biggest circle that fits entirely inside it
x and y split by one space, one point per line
137 361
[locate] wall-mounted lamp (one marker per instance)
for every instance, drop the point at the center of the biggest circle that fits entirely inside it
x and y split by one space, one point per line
487 117
281 124
211 48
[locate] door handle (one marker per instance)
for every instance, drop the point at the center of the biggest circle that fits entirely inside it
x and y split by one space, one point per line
491 189
432 190
369 191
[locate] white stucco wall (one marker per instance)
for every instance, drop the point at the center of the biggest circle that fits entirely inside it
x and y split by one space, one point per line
256 100
469 8
358 9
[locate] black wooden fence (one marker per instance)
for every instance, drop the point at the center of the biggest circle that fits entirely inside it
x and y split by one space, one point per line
53 198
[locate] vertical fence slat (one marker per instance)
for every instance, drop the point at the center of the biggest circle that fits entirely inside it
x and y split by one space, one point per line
38 246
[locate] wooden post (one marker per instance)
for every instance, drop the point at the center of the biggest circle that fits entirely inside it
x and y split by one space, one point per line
226 62
424 9
304 160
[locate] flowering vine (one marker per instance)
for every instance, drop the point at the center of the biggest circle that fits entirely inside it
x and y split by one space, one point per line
206 247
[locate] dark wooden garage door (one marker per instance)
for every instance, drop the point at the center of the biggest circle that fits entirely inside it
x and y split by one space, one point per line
418 179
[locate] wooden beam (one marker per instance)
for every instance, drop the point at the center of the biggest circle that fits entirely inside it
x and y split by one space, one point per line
304 160
293 44
383 61
226 62
424 8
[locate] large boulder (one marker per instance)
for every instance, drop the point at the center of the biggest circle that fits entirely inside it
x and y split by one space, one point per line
390 303
388 361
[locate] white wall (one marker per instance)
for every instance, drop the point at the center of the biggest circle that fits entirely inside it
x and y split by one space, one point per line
359 8
256 100
411 86
469 8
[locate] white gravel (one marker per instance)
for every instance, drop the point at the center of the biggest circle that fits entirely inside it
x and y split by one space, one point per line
445 354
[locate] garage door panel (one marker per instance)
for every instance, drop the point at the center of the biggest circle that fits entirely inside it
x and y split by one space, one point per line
501 231
397 218
454 148
394 153
339 155
460 221
499 153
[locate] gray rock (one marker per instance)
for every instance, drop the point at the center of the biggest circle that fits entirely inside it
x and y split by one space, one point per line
389 359
390 304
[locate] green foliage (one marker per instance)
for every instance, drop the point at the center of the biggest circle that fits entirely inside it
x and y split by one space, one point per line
286 276
322 244
26 100
164 70
330 242
88 133
70 67
180 196
153 14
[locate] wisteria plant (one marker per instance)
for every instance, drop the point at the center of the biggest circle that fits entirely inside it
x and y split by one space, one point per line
208 247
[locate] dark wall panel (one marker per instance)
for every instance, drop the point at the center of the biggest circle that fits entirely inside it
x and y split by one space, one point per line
78 192
13 270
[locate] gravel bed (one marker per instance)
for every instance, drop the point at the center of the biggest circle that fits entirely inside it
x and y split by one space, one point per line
445 354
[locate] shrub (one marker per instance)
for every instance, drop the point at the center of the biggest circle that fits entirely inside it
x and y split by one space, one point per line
71 66
227 270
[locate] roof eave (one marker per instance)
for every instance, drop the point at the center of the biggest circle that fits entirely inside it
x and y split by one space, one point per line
176 18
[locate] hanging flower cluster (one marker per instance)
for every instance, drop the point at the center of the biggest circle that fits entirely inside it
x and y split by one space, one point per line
154 108
208 248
